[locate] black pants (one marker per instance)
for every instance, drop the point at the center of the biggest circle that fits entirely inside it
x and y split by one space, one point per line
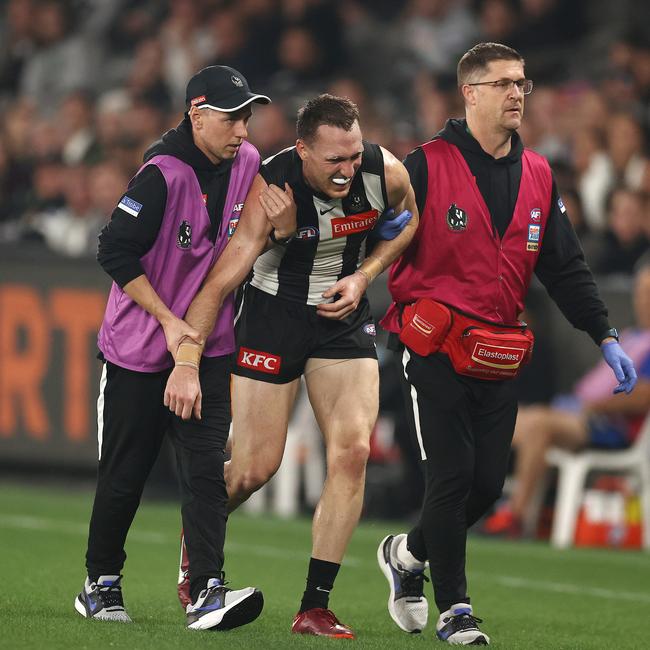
134 423
464 429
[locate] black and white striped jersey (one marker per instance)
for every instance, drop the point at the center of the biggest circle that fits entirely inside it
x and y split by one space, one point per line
331 233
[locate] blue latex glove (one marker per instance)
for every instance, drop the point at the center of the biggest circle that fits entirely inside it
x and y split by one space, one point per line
388 225
621 364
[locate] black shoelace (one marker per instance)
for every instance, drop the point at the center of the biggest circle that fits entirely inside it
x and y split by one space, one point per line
413 584
462 622
111 595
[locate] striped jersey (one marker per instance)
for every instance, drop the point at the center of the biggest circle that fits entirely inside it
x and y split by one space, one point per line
331 234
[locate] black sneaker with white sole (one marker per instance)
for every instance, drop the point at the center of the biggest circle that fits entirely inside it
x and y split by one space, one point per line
102 600
220 608
459 626
407 605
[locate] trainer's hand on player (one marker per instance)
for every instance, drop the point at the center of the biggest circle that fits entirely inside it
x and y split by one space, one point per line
280 209
350 290
183 392
176 329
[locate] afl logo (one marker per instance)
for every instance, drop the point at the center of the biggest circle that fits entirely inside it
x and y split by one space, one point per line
232 226
535 215
308 232
184 237
369 328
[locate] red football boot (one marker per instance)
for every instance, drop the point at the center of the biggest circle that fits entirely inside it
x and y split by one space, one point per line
320 622
184 576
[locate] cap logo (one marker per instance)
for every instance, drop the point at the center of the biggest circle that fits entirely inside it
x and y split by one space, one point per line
236 81
197 100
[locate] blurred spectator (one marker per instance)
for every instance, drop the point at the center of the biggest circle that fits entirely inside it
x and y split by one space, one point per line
594 175
229 40
590 417
626 148
271 130
497 20
186 45
321 18
61 62
75 119
625 240
16 44
71 229
146 80
437 32
106 181
302 71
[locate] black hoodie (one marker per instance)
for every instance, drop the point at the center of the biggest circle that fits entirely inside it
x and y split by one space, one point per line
126 239
561 265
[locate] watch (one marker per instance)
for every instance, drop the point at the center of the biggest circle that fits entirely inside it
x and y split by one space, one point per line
610 333
283 241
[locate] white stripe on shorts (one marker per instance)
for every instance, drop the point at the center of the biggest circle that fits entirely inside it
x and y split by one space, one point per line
414 402
100 413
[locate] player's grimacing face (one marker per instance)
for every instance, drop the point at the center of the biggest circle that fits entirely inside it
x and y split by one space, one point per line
331 159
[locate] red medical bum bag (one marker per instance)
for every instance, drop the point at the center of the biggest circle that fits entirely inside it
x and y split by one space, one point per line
475 347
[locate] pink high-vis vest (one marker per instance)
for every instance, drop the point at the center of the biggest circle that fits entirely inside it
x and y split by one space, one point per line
456 256
176 266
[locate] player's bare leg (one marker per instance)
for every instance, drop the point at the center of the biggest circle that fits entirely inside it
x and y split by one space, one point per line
261 412
344 395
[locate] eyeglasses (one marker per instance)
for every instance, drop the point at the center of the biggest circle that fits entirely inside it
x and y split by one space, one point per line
524 85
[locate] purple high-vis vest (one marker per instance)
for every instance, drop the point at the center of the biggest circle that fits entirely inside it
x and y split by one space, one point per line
176 265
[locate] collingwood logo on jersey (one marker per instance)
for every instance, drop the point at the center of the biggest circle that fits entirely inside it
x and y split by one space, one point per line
184 237
456 218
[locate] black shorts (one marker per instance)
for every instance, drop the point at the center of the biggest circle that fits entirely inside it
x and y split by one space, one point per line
275 337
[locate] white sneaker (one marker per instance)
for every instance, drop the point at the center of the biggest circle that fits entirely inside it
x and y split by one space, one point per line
459 626
102 600
407 605
220 608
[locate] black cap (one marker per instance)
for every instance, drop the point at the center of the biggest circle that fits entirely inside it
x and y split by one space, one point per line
222 89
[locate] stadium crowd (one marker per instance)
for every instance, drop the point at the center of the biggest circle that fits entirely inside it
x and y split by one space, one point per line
86 86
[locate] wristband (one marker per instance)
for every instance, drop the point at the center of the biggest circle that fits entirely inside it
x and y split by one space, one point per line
373 267
189 353
283 241
189 364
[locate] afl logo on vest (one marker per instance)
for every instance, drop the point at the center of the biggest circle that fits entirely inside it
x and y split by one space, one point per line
184 238
456 218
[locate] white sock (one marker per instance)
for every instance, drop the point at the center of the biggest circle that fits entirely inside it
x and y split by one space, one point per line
405 557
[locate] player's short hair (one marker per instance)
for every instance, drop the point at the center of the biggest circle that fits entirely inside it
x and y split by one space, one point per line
476 60
327 110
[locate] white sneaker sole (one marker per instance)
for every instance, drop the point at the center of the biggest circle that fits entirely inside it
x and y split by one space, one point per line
81 609
385 569
240 612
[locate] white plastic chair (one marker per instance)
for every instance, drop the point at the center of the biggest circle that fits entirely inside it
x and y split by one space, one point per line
573 469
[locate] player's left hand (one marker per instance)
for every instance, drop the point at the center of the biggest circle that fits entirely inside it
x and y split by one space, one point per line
183 392
389 225
350 290
280 209
621 364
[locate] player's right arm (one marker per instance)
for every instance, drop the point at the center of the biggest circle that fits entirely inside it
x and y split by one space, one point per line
235 263
127 237
183 390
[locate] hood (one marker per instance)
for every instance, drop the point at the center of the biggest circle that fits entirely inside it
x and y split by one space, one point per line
455 132
179 143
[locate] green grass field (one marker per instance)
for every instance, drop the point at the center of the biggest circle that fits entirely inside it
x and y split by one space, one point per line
529 595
